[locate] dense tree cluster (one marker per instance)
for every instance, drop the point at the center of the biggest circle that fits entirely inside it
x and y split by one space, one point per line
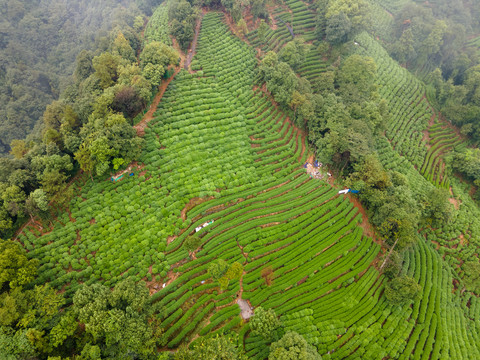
88 127
293 346
101 323
183 15
265 323
339 20
39 42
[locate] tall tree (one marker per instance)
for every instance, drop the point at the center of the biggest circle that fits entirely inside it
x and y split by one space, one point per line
117 322
293 346
265 323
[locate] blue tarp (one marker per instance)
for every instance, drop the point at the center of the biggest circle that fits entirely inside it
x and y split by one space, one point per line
354 191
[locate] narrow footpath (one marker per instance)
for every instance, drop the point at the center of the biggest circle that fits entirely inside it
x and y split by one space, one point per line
184 63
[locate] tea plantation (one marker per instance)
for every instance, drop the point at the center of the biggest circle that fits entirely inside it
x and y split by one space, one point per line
219 140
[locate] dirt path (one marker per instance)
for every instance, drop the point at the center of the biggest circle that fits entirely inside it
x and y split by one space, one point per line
184 63
365 224
140 127
193 46
191 204
246 310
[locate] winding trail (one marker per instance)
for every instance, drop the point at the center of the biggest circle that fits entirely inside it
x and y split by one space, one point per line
140 127
193 46
184 63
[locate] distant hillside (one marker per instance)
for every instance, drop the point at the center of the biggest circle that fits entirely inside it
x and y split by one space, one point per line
39 41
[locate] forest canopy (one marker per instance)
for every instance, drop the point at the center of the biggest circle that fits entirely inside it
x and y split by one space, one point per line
39 42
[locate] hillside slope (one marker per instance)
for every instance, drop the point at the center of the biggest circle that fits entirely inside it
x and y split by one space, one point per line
220 150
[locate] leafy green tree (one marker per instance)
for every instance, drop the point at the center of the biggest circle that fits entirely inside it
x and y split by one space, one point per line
36 203
468 162
33 325
262 30
5 221
280 79
122 47
265 323
472 84
235 271
370 178
192 243
16 269
325 82
84 67
356 11
294 52
402 289
393 265
13 199
18 148
356 79
158 53
321 7
434 40
105 139
293 346
242 27
398 226
472 275
217 268
106 68
338 28
404 49
258 8
154 73
53 182
118 322
182 22
437 207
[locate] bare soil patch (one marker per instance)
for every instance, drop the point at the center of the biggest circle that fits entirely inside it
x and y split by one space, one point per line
191 204
246 309
170 239
140 127
455 202
193 45
365 224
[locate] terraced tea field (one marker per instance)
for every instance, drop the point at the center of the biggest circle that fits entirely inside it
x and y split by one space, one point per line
294 17
219 142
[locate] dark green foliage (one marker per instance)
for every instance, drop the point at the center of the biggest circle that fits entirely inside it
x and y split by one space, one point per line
217 268
338 28
356 79
16 270
38 46
393 265
293 53
402 289
182 22
117 321
293 346
472 275
192 243
265 323
437 206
